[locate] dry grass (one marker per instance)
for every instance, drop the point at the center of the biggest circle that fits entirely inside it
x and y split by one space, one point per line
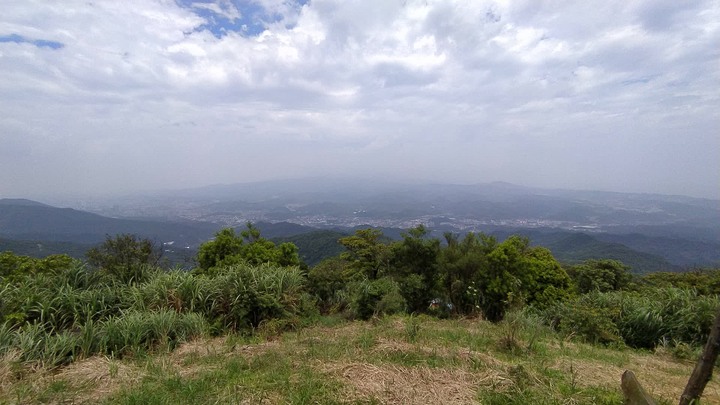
373 372
98 377
8 373
391 384
662 378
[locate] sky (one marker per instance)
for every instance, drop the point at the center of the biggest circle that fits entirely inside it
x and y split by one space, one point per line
111 97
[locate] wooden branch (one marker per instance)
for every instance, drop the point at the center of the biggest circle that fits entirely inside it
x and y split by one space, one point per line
703 369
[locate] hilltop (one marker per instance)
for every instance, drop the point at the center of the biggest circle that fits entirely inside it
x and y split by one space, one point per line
394 360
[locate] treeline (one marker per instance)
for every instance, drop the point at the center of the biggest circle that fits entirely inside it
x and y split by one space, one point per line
121 301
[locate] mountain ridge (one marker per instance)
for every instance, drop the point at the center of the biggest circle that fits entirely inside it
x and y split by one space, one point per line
668 232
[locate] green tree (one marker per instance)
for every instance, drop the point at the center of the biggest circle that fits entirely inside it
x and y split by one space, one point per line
250 247
14 267
367 252
414 265
518 274
328 277
225 244
125 257
600 275
461 263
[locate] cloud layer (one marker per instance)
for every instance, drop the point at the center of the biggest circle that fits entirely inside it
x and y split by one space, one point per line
101 97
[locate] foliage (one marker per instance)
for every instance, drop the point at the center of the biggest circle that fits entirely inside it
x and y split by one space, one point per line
704 282
55 316
367 252
15 267
658 317
376 297
461 263
328 278
125 257
600 275
55 310
518 274
229 249
586 318
211 254
415 266
475 274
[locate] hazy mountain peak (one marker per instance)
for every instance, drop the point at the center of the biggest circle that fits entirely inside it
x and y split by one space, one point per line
21 202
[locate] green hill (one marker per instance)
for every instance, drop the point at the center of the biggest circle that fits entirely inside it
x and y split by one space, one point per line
576 248
35 248
316 245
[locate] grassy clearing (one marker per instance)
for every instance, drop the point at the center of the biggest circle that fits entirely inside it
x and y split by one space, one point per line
394 360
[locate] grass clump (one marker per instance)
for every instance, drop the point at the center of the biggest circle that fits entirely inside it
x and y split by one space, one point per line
640 320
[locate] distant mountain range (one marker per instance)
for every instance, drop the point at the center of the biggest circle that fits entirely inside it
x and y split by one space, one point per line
30 220
647 232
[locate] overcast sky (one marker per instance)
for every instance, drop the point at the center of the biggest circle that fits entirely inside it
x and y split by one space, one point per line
115 96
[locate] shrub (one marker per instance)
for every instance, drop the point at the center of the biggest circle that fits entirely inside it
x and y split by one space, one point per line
242 296
595 324
376 297
125 257
640 320
329 277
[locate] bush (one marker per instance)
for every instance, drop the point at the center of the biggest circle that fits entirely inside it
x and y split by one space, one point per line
668 314
125 257
377 297
583 318
328 278
641 321
240 297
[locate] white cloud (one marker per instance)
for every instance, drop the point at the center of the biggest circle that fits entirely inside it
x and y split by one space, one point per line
528 91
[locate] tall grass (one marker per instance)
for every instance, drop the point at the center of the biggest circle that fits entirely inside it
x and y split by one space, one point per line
55 317
639 320
140 331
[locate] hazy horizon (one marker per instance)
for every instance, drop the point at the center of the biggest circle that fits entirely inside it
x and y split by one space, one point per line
113 98
369 186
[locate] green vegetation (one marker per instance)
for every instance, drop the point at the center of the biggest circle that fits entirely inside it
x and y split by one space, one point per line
125 257
575 248
600 275
315 246
228 249
395 360
57 315
502 299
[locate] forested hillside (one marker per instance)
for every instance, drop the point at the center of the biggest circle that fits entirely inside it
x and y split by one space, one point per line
122 302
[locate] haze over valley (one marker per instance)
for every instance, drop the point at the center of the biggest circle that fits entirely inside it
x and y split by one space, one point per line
649 232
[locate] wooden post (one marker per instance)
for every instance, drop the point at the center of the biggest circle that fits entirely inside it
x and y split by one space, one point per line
632 391
704 367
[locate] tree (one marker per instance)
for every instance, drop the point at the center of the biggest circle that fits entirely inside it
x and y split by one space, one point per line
250 247
328 277
125 256
519 274
414 265
225 244
367 252
15 267
461 263
600 275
